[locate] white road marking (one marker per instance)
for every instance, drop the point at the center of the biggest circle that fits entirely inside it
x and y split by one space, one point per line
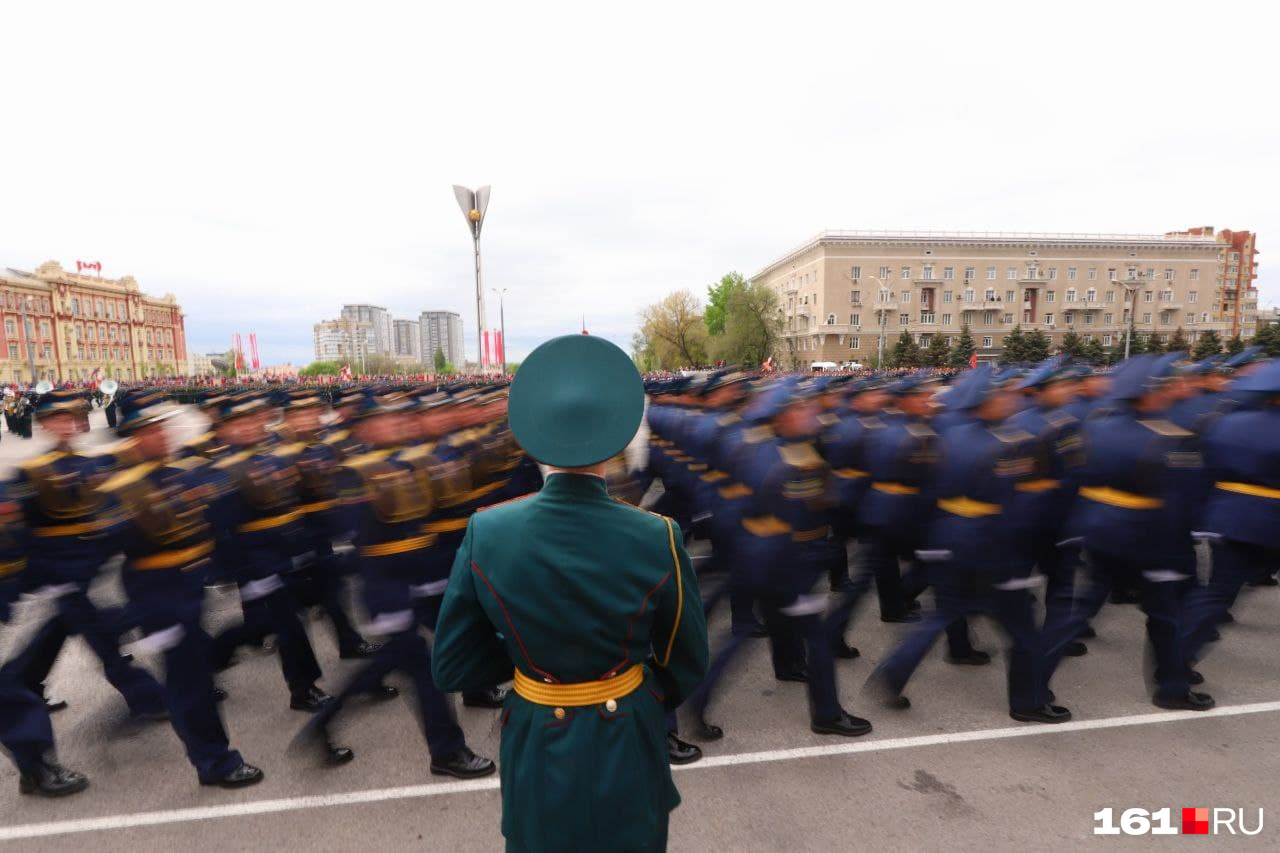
125 821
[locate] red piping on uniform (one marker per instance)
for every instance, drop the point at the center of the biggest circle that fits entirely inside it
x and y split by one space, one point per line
511 624
631 626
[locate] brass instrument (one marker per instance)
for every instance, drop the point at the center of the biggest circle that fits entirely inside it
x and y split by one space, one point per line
108 387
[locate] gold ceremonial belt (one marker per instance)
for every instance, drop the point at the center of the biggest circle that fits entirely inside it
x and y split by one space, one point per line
1116 497
399 546
968 507
270 522
1037 485
849 473
1247 489
12 567
173 559
318 506
737 490
810 535
581 694
448 525
68 529
895 489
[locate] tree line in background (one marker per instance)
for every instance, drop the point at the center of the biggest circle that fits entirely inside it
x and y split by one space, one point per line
382 365
741 323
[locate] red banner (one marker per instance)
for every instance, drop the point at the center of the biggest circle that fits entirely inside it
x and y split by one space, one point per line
484 349
500 349
96 266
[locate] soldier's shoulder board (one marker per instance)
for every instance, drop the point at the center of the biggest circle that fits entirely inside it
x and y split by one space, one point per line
233 460
1059 419
921 430
41 460
1167 428
187 463
871 422
420 451
336 437
800 455
727 420
128 477
757 435
364 460
1011 434
286 451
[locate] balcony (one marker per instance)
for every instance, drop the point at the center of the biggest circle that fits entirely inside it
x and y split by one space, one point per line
842 329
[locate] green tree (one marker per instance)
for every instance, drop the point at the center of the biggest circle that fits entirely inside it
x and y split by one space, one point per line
1036 346
1152 344
321 368
1235 346
719 296
1015 346
1093 352
1268 338
1178 341
905 352
440 362
752 326
1137 346
935 355
962 349
1072 345
1206 345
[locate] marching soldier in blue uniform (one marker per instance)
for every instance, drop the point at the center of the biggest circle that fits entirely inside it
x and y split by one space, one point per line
259 531
390 495
157 518
1242 513
56 490
972 549
25 731
1133 520
590 604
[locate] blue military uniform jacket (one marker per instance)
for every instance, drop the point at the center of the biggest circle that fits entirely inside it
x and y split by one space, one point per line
1242 456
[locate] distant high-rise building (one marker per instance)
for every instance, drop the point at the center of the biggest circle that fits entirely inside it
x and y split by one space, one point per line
379 320
1235 296
348 341
441 330
408 340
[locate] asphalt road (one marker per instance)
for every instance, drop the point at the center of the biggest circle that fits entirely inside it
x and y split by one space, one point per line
952 772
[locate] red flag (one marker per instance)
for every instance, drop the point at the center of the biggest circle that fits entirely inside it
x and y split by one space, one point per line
253 349
973 359
484 354
499 348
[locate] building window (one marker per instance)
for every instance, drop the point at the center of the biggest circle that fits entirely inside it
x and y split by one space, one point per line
1008 295
1106 340
1088 318
1147 295
1048 319
1194 275
1071 273
1071 294
75 306
1051 296
1068 317
1026 316
928 317
946 296
1146 318
48 352
1011 273
855 343
986 341
1191 319
1111 273
1008 319
1191 296
886 295
1111 296
904 319
1053 273
13 354
1204 318
831 319
855 273
991 273
45 330
906 273
906 296
1091 295
989 295
988 318
1166 295
10 327
969 273
884 273
855 319
1168 275
1093 274
927 275
968 295
948 273
946 319
855 297
1108 318
1166 317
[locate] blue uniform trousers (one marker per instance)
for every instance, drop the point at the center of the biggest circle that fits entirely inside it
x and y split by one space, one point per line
101 629
321 582
25 731
960 592
193 711
407 652
882 549
1234 565
275 613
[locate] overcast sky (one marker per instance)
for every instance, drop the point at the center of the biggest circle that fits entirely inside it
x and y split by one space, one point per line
267 162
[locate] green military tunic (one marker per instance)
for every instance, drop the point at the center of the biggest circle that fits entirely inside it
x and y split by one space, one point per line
570 586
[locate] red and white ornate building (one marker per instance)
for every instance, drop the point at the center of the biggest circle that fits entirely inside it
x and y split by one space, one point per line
67 326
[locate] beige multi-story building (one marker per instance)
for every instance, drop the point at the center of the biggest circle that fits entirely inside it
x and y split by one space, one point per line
350 341
843 292
71 327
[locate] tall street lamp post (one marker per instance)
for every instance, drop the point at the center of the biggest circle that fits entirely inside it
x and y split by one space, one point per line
474 203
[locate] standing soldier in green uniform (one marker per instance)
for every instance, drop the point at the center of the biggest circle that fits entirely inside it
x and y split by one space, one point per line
590 604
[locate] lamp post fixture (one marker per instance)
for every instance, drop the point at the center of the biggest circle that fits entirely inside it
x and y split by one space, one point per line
474 203
880 311
1131 288
502 326
26 333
